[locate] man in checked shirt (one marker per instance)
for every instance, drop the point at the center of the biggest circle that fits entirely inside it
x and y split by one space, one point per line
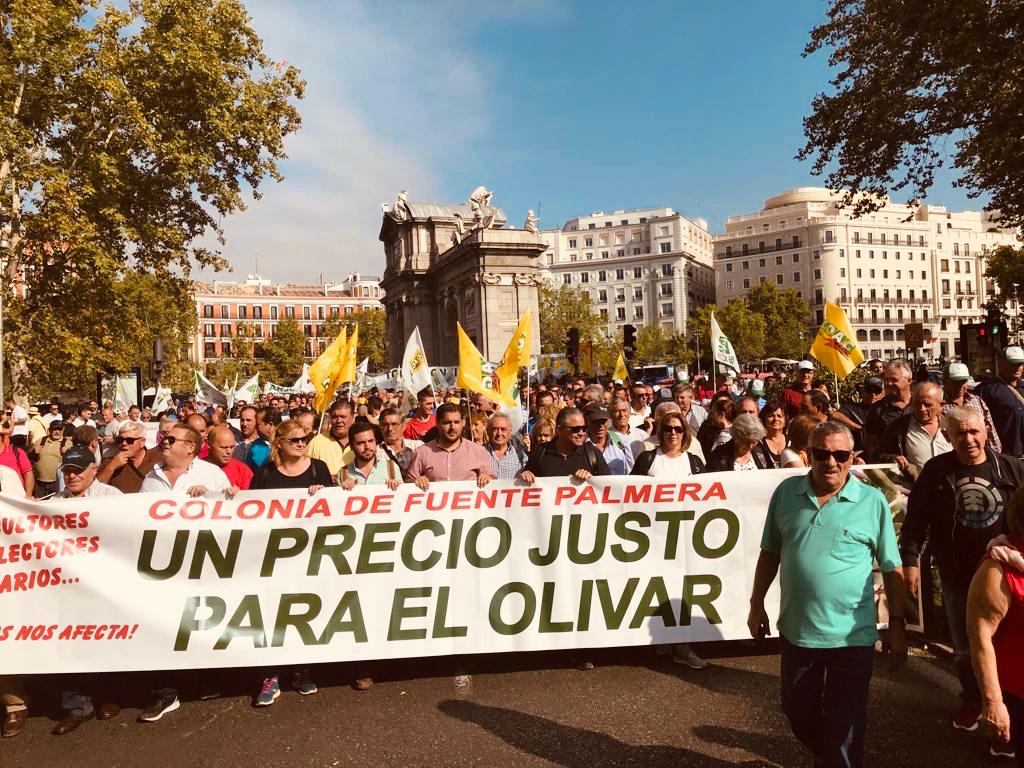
450 457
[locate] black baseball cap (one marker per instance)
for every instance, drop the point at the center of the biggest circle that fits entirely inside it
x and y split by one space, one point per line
79 457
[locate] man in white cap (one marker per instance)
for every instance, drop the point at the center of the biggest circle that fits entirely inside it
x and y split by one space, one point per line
955 394
793 395
1004 395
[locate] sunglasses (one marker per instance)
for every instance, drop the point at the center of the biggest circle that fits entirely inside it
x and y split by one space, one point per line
304 440
171 440
677 430
821 454
127 440
575 430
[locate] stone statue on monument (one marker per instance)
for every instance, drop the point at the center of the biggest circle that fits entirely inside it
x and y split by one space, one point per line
400 210
460 229
530 225
480 205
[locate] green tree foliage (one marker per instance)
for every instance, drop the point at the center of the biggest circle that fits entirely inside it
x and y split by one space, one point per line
745 329
652 345
240 365
786 317
1005 265
562 307
914 79
284 353
373 335
99 329
127 132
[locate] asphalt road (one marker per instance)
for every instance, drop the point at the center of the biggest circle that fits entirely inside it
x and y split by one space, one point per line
523 710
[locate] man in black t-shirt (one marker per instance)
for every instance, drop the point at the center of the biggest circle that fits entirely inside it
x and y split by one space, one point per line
897 378
957 505
854 413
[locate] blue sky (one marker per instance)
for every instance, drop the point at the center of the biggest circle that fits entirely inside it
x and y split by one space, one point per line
572 106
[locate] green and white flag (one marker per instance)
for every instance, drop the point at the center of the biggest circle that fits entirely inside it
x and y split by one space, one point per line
722 348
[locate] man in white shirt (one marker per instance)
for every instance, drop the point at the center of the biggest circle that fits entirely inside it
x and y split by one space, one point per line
693 412
19 424
638 401
84 417
181 469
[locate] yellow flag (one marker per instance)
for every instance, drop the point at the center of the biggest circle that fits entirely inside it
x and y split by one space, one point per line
585 361
834 346
477 375
325 368
350 358
517 355
621 374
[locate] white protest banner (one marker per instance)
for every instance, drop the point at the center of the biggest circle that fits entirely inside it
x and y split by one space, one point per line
278 577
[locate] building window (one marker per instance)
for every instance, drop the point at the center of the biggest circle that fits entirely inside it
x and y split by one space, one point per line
778 243
602 276
620 252
667 310
589 241
817 274
225 330
796 258
584 277
620 313
666 270
636 251
208 329
856 237
728 285
666 289
638 294
224 311
746 249
257 313
602 296
620 294
778 261
273 312
842 271
746 265
728 267
760 246
620 274
320 313
778 279
307 330
289 311
243 312
817 255
637 273
207 310
665 247
638 313
796 277
746 282
604 254
209 349
572 243
828 235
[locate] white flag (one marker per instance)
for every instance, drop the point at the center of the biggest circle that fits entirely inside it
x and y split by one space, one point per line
249 391
415 370
303 384
207 393
361 370
722 347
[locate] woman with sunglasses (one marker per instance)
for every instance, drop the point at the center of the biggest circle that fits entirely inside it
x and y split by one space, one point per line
672 459
289 467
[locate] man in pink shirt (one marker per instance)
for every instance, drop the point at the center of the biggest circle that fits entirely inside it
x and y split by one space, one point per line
449 457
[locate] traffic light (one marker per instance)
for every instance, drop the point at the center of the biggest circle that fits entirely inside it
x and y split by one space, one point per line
629 340
572 346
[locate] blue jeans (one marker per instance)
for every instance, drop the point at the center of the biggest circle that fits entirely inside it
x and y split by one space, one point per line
825 697
954 601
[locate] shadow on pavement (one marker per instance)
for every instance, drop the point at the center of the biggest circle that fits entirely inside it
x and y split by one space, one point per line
766 745
573 747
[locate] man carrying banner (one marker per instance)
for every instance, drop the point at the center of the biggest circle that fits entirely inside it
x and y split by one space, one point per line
222 447
398 447
369 465
568 455
79 469
180 467
507 458
450 457
617 454
825 530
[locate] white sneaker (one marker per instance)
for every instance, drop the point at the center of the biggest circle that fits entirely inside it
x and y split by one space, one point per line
685 655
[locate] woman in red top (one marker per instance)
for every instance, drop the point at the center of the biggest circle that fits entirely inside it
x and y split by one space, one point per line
995 620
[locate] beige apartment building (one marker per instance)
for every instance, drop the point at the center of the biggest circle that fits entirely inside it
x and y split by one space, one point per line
901 264
642 266
223 306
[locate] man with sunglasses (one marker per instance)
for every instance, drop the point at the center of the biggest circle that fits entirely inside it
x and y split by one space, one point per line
825 530
568 455
180 468
638 401
128 467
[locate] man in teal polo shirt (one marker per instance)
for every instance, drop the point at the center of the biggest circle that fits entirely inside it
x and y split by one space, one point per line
825 530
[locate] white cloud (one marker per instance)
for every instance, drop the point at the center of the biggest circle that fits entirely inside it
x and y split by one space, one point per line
391 99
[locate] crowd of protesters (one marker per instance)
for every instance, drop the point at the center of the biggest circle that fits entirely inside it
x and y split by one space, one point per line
957 449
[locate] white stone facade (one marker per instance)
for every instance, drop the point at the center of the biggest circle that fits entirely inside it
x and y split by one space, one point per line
901 264
644 266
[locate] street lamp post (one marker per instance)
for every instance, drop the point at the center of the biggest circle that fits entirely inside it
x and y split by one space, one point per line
4 241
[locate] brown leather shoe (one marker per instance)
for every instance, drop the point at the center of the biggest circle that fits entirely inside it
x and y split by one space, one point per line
71 722
363 683
14 723
107 711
